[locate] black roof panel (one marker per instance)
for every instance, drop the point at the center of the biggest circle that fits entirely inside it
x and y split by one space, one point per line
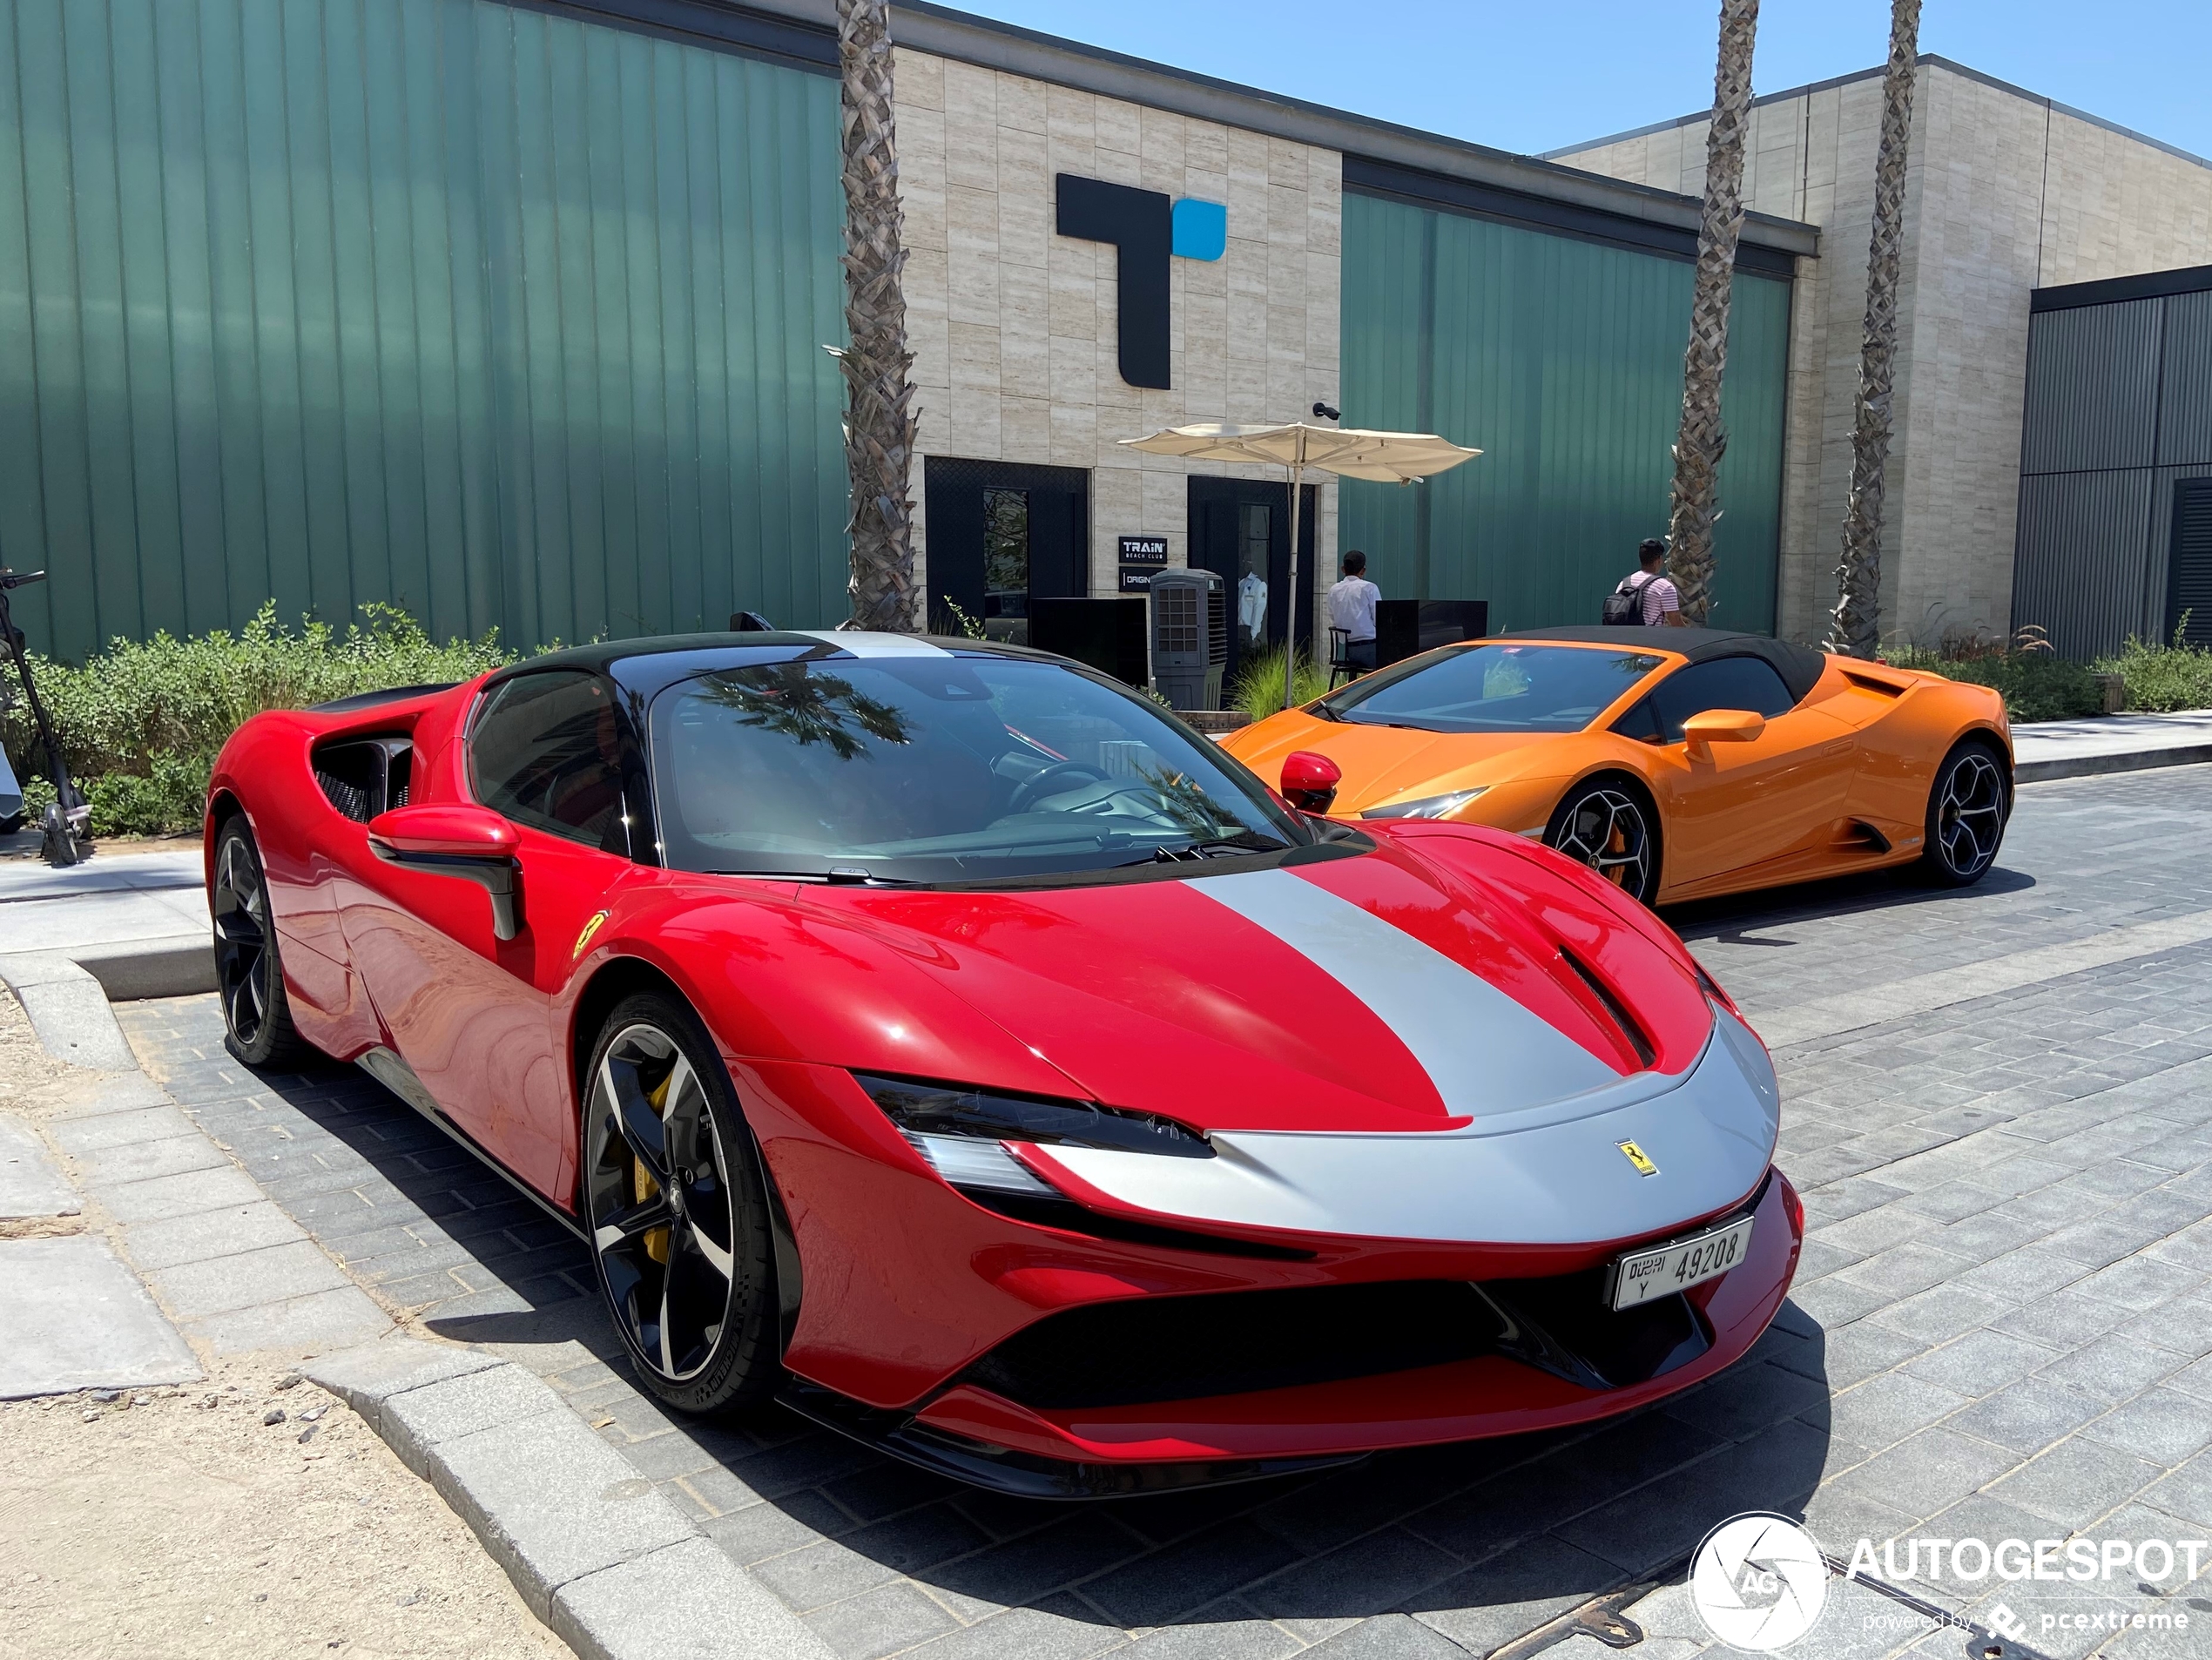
1800 666
601 655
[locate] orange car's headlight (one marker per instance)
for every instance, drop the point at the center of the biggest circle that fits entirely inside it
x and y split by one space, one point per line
1428 807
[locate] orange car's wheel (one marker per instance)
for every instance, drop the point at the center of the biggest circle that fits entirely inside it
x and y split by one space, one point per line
1968 805
1610 826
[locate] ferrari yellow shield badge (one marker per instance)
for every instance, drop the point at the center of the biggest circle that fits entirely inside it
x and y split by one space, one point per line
585 938
1637 1156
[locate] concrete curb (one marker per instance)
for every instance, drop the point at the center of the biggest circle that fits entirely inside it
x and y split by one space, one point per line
67 994
2125 760
68 1009
180 965
616 1571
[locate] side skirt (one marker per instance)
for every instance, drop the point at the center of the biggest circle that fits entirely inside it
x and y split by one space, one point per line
389 1068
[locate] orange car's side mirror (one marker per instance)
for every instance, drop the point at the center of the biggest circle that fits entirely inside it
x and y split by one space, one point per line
1721 727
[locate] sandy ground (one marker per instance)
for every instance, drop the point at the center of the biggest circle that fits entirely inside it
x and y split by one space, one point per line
176 1522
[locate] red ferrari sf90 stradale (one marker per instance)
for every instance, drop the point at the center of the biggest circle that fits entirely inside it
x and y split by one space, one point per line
942 1039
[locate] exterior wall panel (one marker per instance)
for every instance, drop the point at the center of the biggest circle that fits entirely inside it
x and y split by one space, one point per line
2185 383
1562 360
509 319
2067 582
2092 389
2112 386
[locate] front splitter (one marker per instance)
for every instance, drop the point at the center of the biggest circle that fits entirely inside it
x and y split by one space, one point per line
1026 1475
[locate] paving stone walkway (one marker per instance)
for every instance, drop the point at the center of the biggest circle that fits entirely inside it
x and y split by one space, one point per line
2000 1330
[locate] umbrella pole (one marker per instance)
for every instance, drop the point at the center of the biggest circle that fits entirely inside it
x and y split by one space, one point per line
1290 636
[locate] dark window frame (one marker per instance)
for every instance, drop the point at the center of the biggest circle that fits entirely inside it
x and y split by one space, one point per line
1645 713
631 776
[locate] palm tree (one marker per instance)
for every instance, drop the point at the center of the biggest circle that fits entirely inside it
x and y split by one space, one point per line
878 395
1699 444
1855 628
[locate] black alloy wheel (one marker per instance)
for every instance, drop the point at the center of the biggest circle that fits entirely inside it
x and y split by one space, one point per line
1968 807
679 1222
1612 829
249 976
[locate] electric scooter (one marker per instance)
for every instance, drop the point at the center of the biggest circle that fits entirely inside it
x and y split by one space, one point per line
69 818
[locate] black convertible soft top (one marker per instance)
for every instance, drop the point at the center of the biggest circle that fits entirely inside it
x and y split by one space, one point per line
1798 665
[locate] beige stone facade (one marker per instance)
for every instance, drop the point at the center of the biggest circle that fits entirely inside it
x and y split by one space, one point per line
1015 327
2006 192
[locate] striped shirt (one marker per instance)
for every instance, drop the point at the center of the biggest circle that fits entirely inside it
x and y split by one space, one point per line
1658 596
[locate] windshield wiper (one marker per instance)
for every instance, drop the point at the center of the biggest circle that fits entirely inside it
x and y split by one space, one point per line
1323 711
1249 841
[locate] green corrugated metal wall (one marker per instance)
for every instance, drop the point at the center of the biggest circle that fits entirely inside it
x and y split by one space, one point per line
1562 360
505 318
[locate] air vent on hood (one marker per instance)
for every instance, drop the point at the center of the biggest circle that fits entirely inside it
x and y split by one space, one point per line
1645 1053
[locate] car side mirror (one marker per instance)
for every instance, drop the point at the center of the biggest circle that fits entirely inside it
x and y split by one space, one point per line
1310 782
1721 727
472 843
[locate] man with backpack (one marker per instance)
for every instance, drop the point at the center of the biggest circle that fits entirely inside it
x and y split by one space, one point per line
1645 598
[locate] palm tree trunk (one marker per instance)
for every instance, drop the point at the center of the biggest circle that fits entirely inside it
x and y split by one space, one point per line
878 395
1855 629
1702 439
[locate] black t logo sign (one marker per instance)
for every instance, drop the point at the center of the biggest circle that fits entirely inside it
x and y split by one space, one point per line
1138 223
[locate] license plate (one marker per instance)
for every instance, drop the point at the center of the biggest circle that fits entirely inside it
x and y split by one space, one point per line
1666 1269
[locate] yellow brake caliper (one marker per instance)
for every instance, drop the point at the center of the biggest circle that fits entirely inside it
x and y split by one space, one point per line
642 1185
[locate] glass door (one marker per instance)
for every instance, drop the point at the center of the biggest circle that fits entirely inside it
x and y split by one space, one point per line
1005 565
1255 527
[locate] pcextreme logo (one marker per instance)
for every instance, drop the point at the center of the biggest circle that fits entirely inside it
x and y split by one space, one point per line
1146 228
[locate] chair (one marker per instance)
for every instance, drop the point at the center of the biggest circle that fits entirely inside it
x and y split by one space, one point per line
1341 667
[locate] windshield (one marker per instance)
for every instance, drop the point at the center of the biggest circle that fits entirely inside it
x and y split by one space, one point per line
1493 688
939 769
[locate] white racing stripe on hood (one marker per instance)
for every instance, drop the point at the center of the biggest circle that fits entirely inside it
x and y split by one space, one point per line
862 643
1485 1053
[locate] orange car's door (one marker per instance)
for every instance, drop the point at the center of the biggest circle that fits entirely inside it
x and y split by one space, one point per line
1738 805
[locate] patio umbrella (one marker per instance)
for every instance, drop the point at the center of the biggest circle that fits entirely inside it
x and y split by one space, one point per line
1349 452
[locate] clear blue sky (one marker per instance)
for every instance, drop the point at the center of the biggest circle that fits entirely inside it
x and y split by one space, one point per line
1535 77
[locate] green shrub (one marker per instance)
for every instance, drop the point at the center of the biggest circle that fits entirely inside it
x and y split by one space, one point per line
2035 684
142 722
1258 691
2164 677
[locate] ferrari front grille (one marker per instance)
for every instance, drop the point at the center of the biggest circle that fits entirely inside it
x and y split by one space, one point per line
1178 1348
1149 1350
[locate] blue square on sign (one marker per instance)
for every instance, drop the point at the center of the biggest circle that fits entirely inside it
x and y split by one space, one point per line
1201 229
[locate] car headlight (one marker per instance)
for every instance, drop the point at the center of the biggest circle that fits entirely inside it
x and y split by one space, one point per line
1429 806
962 1131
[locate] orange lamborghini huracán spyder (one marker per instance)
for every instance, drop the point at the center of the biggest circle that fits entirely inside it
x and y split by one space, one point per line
1678 762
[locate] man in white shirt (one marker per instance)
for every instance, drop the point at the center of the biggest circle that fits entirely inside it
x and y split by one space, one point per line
1352 608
